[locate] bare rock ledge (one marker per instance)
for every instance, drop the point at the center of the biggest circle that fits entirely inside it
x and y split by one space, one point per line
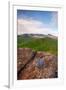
30 66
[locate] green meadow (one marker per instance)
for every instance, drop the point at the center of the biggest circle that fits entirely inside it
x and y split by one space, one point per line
39 44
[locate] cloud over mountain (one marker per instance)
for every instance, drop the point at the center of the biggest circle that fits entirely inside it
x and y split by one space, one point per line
34 26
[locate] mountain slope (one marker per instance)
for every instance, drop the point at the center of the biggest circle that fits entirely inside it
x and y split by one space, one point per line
39 44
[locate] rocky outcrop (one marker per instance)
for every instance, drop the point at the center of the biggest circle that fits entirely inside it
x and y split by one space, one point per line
36 65
24 56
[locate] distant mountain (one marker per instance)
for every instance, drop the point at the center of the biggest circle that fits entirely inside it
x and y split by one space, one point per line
38 36
52 36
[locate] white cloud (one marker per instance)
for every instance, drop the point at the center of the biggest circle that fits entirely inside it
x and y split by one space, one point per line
33 26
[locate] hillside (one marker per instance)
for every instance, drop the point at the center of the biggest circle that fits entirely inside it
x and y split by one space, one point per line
46 43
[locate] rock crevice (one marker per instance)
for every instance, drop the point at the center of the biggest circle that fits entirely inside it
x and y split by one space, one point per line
36 65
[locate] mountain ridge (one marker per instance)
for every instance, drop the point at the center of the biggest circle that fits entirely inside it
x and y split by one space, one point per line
39 35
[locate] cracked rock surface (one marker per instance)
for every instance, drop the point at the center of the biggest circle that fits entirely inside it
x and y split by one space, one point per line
36 65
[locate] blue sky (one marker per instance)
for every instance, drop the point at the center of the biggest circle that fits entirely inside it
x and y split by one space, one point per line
45 22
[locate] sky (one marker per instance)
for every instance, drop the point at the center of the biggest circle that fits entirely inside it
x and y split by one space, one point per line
37 22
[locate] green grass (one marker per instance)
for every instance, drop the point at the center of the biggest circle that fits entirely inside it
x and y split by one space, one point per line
38 44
